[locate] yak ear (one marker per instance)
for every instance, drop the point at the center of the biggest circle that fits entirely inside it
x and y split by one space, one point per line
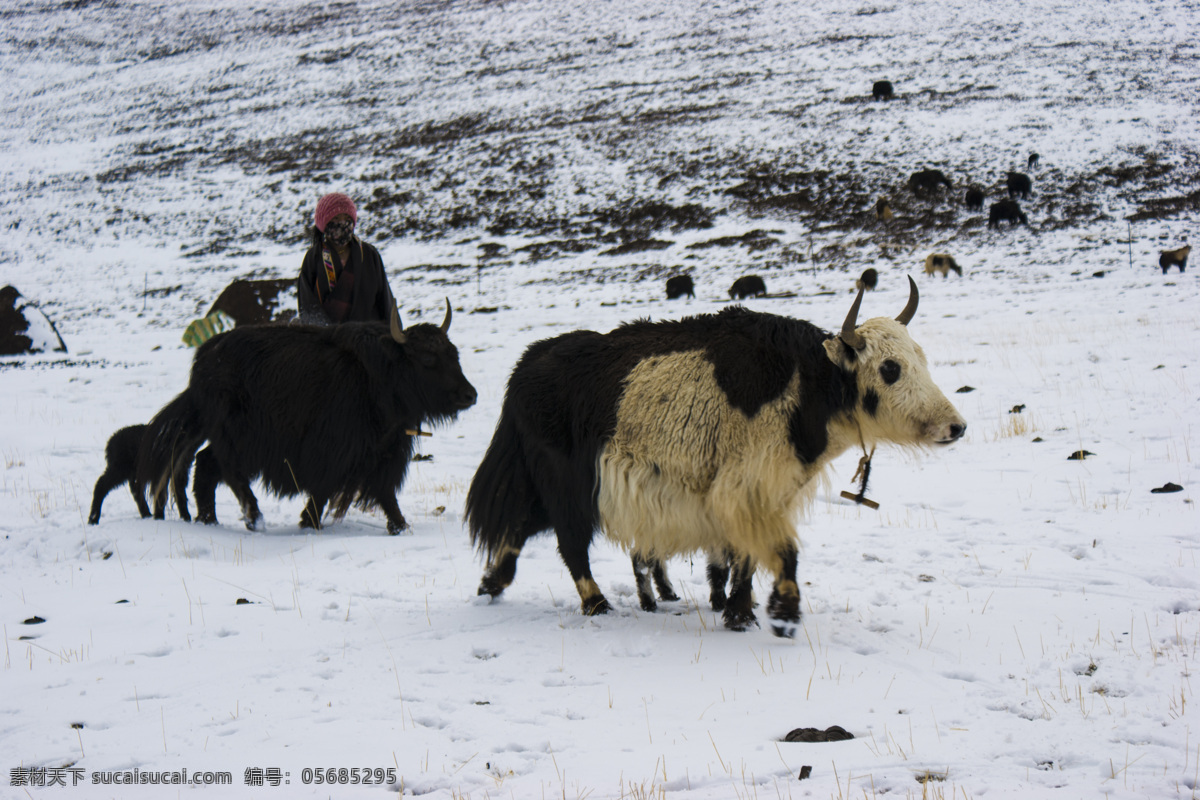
841 354
397 330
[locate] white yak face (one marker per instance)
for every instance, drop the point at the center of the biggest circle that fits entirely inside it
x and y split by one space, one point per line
898 401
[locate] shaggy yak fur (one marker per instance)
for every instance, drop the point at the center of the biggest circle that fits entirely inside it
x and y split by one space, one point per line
1006 211
709 433
326 411
747 286
940 262
679 285
1174 258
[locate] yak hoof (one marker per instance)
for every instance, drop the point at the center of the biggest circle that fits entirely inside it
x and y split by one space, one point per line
396 528
490 588
207 518
649 605
743 621
94 519
717 600
254 524
784 630
596 605
668 596
307 522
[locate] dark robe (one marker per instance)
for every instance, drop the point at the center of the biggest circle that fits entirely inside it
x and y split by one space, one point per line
367 296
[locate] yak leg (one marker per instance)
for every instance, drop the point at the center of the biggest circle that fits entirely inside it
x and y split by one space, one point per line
739 610
396 523
501 569
139 496
310 517
204 487
783 608
645 569
642 567
251 516
105 484
658 571
718 574
179 482
573 544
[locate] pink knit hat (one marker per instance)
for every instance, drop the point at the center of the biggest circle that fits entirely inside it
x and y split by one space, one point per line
330 206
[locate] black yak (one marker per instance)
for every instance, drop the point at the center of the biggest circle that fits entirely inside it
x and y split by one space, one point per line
928 180
869 279
1019 184
328 411
940 262
1177 258
973 199
747 286
707 433
1006 211
1032 162
882 90
680 285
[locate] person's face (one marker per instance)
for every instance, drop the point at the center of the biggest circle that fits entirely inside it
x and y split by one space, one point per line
338 230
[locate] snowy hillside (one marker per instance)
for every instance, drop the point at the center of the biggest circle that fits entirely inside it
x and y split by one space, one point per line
1009 623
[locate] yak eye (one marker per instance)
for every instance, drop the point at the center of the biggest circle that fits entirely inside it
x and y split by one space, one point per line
889 371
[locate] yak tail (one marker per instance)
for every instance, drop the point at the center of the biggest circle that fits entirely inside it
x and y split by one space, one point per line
169 446
504 507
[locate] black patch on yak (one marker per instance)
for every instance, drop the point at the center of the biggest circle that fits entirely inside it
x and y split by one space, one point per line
871 402
890 372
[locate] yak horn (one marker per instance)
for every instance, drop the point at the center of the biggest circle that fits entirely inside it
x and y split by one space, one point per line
849 336
909 310
397 331
446 321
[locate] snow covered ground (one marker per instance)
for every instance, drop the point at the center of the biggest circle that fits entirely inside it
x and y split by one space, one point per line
1009 623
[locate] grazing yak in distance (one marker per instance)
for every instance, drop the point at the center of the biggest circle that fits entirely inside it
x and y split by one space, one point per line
1170 258
1032 162
973 199
680 285
707 433
1019 184
882 90
327 411
748 286
883 210
1006 211
928 180
940 262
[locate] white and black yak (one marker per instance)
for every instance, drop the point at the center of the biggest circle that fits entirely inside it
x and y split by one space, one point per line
1174 258
327 411
710 433
943 263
